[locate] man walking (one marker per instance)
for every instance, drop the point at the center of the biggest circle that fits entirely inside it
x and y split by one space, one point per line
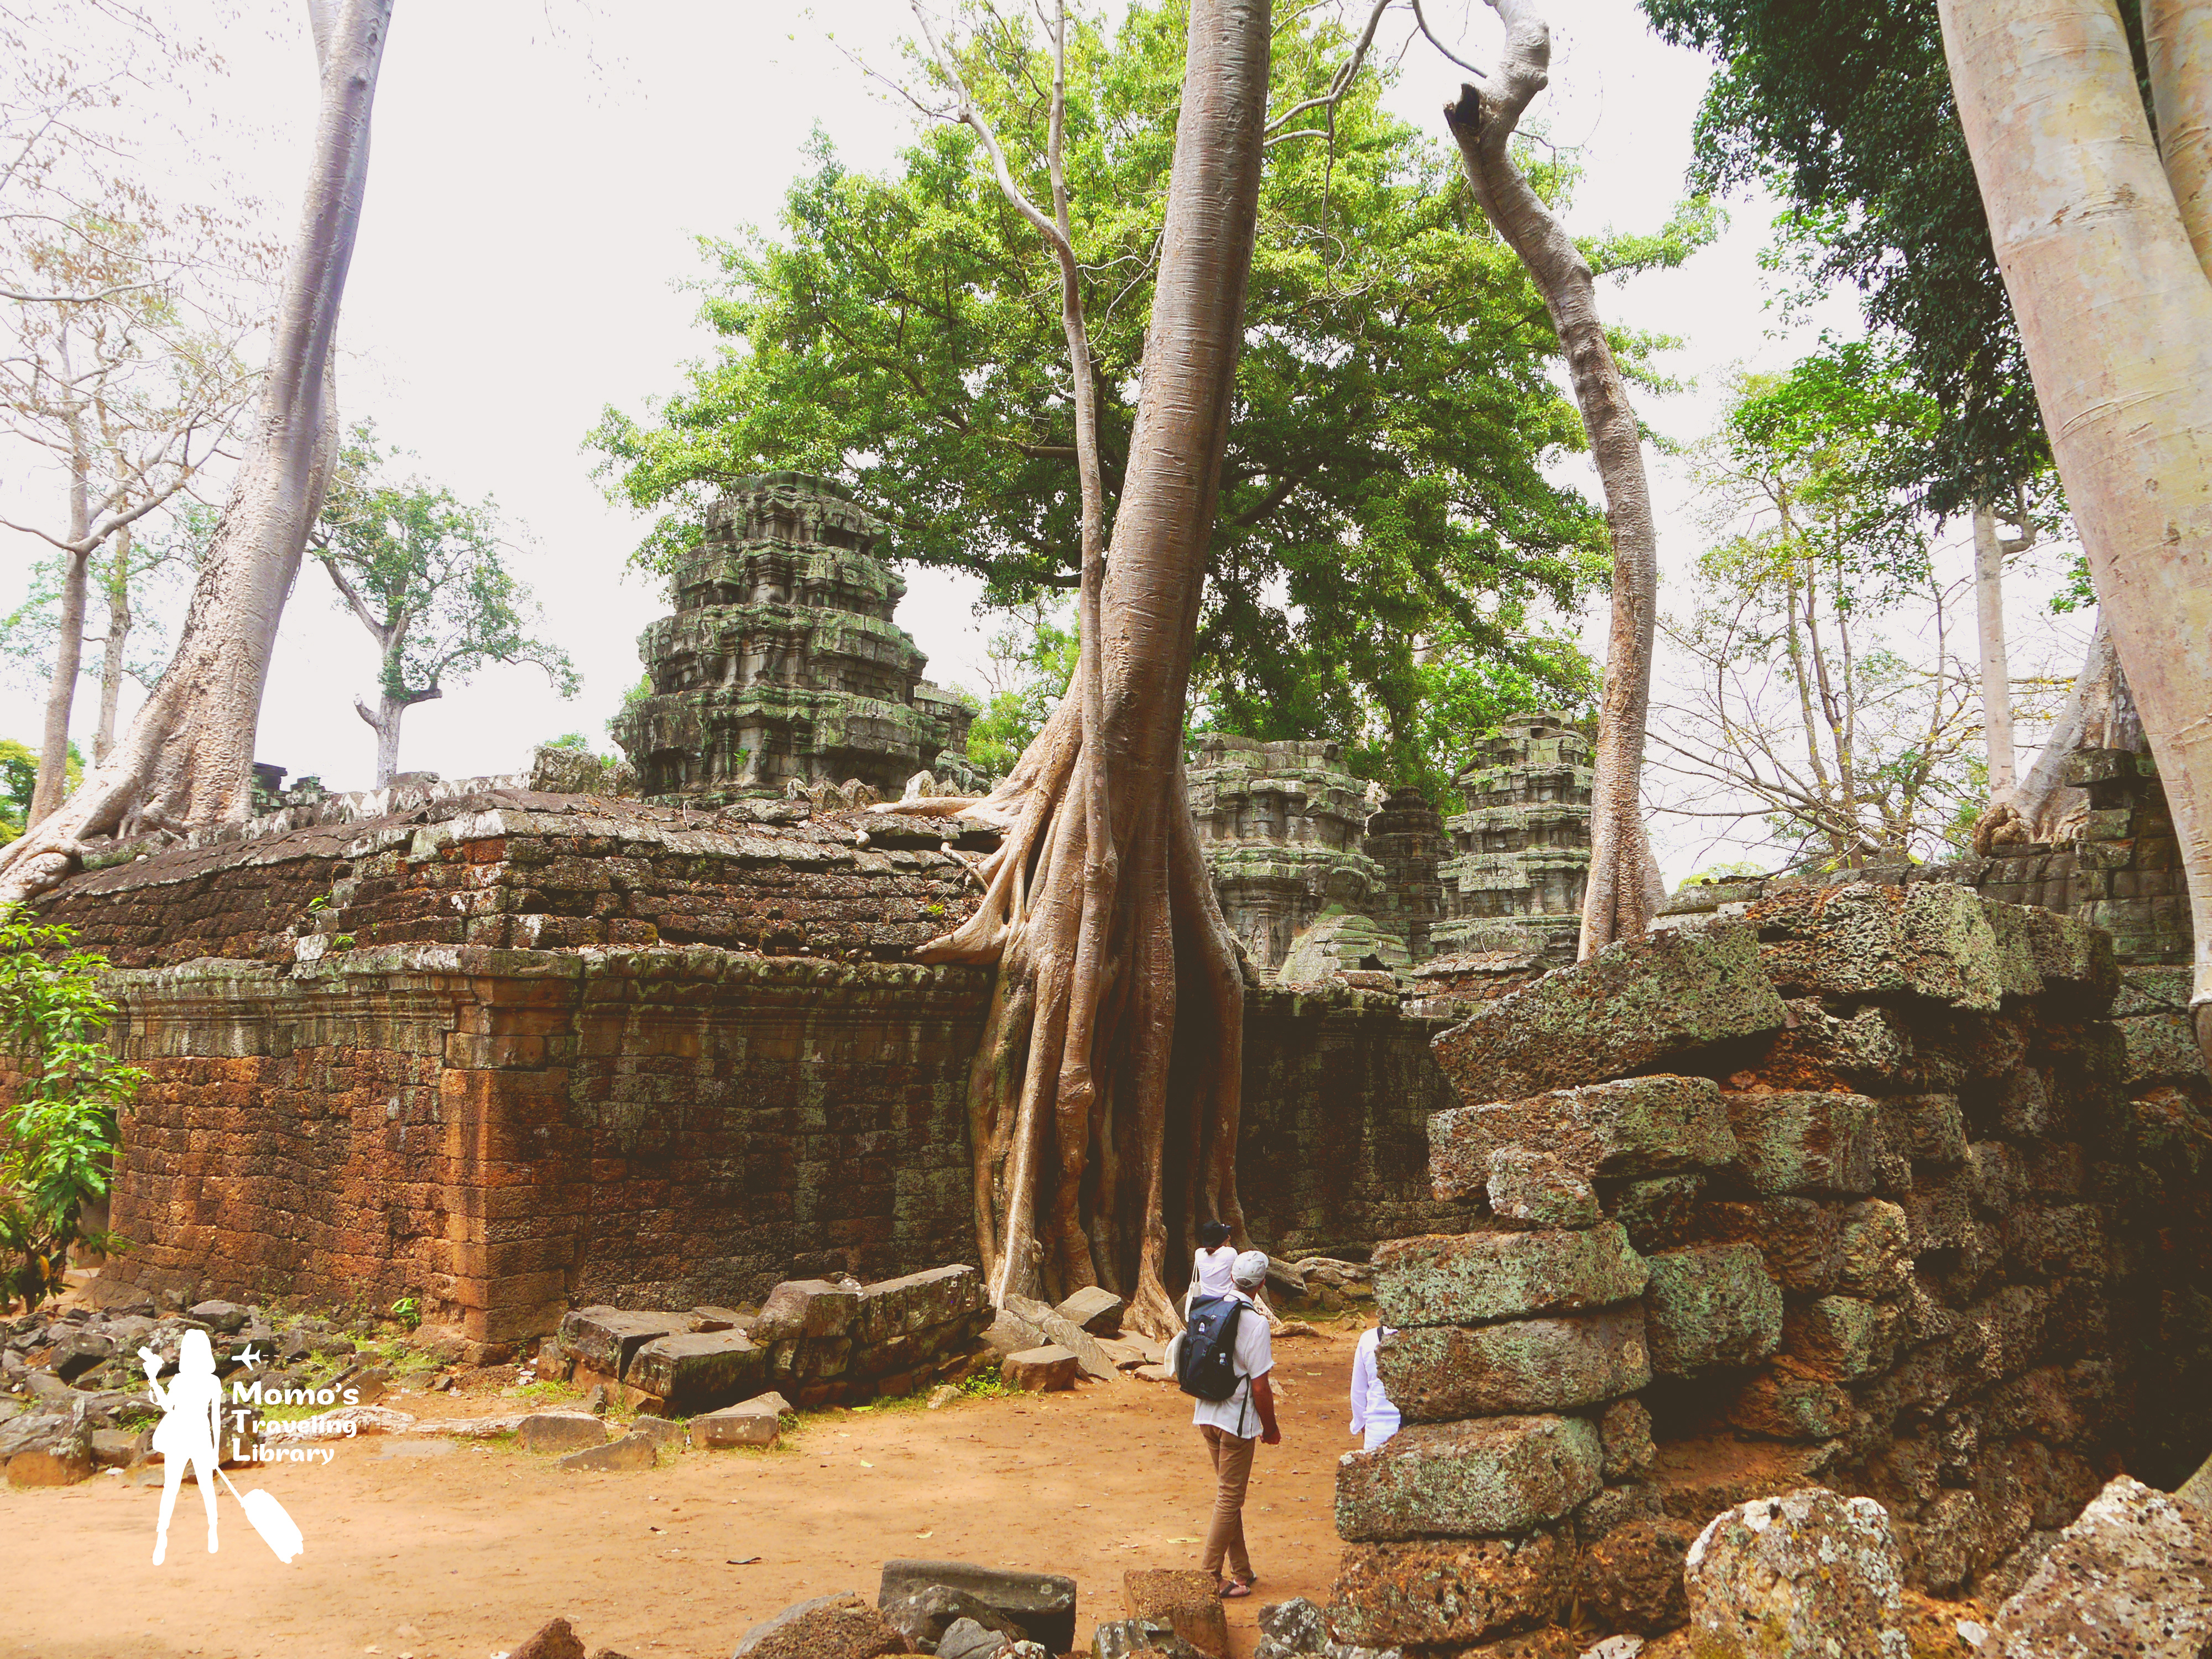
1233 1427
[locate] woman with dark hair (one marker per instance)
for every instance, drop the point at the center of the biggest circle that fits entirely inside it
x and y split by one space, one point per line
1210 1266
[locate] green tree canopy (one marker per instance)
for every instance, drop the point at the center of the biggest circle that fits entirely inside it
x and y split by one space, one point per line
1824 694
1388 542
426 574
1844 108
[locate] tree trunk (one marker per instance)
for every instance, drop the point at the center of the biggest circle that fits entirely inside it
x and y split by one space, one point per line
1997 673
186 761
1105 1096
2115 311
112 654
1624 886
53 784
384 720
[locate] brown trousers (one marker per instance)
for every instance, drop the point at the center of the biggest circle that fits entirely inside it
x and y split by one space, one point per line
1232 1472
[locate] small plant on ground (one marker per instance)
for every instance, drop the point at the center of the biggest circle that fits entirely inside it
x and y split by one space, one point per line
57 1142
986 1384
408 1310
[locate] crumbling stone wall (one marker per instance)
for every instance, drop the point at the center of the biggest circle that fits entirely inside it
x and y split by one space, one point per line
709 1071
2116 863
1860 1189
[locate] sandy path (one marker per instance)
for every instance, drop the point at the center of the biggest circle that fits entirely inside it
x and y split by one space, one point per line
461 1553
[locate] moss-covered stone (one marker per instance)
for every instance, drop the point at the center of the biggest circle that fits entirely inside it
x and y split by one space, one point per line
1474 1276
1842 1339
1625 1009
1535 1188
1931 940
1392 1595
1710 1305
1874 1250
1440 1373
1797 1141
1625 1431
1784 1404
1659 1212
1636 1125
1488 1477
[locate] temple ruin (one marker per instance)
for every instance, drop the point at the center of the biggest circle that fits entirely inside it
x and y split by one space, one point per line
1522 858
1281 826
783 662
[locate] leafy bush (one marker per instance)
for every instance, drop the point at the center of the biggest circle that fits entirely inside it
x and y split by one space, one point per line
57 1140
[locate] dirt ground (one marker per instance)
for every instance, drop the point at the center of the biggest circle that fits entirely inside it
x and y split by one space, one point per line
441 1550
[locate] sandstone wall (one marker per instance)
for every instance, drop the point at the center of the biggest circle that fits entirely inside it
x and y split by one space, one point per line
1865 1189
507 1133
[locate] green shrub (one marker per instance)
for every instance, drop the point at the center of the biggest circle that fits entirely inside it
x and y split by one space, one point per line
58 1140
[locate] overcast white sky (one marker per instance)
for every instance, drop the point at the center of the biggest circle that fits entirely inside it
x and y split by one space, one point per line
540 169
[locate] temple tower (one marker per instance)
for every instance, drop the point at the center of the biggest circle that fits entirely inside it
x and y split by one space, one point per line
782 661
1279 824
1522 861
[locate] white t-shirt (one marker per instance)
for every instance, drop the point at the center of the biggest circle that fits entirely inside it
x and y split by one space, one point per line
1372 1413
1255 1356
1209 1272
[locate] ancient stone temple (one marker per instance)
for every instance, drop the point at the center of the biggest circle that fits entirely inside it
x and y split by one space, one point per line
782 661
1523 843
1406 836
1280 824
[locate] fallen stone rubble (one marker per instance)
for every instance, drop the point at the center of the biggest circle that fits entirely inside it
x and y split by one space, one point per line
75 1397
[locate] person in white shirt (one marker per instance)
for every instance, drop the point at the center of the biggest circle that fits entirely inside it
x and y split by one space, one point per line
1372 1413
1234 1427
1210 1266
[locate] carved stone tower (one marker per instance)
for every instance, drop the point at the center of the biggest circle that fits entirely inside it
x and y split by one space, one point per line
1279 824
782 661
1406 836
1523 843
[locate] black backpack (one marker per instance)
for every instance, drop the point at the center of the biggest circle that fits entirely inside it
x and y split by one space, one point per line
1206 1363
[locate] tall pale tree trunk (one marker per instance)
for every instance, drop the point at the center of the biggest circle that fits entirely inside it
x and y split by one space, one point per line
186 761
69 646
114 652
384 720
1624 886
1105 1096
1996 671
2094 240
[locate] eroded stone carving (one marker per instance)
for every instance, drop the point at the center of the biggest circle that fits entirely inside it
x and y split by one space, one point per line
782 660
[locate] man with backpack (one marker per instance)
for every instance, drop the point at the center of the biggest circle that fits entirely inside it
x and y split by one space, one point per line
1223 1359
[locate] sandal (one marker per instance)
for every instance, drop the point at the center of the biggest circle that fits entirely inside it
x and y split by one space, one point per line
1235 1590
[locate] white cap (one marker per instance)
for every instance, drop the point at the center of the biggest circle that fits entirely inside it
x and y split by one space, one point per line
1250 1270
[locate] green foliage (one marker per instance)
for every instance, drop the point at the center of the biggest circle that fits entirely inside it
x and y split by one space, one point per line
1844 108
1805 697
19 778
1384 507
575 740
1029 664
426 574
408 1310
636 695
60 1135
1732 870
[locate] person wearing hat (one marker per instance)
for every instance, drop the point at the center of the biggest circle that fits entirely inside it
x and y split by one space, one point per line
1234 1427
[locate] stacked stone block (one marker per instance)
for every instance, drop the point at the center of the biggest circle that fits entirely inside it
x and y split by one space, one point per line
1851 1190
814 1342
